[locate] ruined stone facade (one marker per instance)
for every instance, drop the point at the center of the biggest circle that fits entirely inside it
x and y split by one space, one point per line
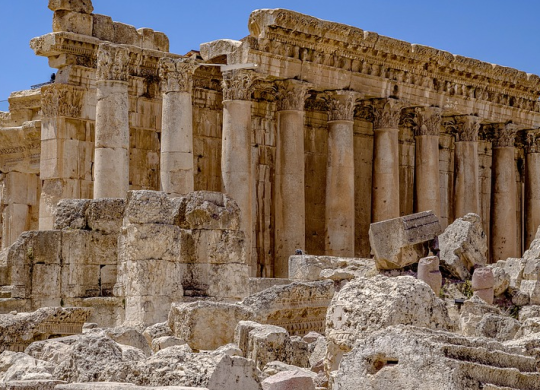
314 128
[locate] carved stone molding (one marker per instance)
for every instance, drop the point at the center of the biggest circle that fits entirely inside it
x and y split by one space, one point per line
341 105
238 84
176 74
386 113
61 100
291 95
427 121
533 141
112 62
465 127
504 135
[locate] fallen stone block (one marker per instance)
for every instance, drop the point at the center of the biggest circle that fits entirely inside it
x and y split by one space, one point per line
289 380
399 242
428 272
37 384
482 284
308 268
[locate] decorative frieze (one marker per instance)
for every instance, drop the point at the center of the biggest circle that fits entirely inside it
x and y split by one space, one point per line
291 95
177 74
61 100
504 135
533 141
238 84
465 127
112 62
427 121
386 113
341 105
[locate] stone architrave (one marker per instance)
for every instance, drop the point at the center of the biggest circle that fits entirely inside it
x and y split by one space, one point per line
532 187
289 196
398 242
176 173
385 190
466 186
504 242
111 173
428 192
340 174
236 148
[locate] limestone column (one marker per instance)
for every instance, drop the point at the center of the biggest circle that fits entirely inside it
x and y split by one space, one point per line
385 189
236 149
289 193
176 173
111 155
340 174
532 187
428 192
503 240
466 187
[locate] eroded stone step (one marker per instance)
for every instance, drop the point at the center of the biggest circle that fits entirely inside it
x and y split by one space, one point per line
505 378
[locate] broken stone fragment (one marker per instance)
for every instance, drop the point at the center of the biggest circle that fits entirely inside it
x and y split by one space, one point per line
288 380
428 272
82 6
482 284
399 242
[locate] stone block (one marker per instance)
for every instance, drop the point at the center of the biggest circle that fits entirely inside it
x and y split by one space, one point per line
46 279
398 242
256 285
502 279
153 277
147 38
107 278
106 215
165 342
71 214
209 210
532 289
156 331
105 311
103 28
126 34
82 6
428 271
206 324
219 246
88 247
142 311
74 22
36 247
34 384
161 41
308 268
289 380
226 281
80 280
152 207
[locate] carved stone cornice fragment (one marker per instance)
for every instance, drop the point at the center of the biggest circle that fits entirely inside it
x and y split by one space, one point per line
341 105
238 84
504 135
386 113
112 62
427 121
533 141
291 95
61 100
176 74
465 127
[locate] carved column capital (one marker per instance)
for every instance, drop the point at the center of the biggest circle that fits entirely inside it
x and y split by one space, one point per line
176 74
466 127
291 95
386 113
238 84
533 141
427 121
504 135
112 62
61 100
341 105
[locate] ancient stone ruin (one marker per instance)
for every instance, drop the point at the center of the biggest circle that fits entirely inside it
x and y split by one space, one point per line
313 206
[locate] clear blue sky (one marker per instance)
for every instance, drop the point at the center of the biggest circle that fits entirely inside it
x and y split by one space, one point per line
499 31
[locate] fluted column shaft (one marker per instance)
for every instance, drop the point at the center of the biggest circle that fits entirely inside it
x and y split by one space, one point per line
111 169
289 195
340 175
385 190
428 192
532 187
177 173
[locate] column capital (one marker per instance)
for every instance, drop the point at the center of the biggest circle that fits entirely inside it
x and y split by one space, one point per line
112 62
427 121
238 84
341 104
533 141
291 94
504 134
386 113
465 126
177 74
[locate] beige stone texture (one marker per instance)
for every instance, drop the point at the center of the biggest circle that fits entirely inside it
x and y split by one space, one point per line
428 271
75 22
308 268
288 380
103 27
82 6
398 242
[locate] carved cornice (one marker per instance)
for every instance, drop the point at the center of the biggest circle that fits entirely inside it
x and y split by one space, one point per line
386 113
112 62
504 135
238 84
341 105
465 127
533 141
61 100
291 95
177 74
427 121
